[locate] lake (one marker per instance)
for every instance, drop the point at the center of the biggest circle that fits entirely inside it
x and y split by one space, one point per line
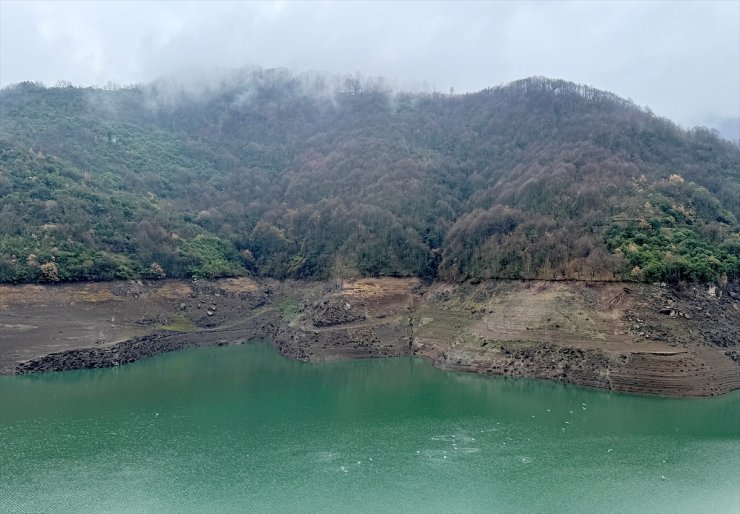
240 428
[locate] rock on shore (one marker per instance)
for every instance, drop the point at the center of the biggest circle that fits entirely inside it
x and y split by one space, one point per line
639 338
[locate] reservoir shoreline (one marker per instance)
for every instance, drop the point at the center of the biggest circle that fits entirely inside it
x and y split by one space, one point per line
628 337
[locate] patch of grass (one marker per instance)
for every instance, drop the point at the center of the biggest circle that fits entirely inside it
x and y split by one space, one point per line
179 323
290 309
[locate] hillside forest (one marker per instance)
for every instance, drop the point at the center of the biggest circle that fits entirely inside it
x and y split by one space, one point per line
309 176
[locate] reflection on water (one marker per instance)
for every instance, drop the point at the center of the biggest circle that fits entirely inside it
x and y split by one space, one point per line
240 428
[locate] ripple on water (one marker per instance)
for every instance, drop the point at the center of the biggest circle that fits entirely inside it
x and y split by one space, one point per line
242 426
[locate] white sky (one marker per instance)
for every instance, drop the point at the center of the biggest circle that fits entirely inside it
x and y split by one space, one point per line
680 58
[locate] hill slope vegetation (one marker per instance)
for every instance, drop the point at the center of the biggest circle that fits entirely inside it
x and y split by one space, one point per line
268 173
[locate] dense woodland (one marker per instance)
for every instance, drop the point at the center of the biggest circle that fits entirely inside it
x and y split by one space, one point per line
308 176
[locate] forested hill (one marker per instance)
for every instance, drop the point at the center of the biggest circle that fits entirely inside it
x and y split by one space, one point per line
268 173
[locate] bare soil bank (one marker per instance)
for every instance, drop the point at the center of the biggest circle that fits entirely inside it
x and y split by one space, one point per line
619 336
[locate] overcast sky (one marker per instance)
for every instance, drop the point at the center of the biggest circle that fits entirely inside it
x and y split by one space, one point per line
680 58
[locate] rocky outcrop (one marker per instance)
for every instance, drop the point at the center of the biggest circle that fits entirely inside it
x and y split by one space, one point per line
260 327
538 360
694 372
355 342
334 310
679 373
108 357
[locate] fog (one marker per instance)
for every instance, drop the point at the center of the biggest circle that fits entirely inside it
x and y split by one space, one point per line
682 59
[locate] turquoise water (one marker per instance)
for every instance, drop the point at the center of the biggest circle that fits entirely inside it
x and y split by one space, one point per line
241 429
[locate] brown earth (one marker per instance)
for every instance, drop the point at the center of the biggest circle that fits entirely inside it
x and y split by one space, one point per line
620 336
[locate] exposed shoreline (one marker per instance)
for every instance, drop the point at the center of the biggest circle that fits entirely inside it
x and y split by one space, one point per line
624 337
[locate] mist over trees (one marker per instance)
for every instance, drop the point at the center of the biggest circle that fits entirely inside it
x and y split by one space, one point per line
309 176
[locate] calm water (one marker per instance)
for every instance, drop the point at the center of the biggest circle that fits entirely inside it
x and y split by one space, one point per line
242 429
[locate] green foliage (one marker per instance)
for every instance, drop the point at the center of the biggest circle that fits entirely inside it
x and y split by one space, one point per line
672 254
21 260
179 323
211 257
275 174
289 308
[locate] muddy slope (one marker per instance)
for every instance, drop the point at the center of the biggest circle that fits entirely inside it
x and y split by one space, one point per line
618 336
624 337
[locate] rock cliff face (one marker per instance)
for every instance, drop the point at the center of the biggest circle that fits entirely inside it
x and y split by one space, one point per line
680 373
617 336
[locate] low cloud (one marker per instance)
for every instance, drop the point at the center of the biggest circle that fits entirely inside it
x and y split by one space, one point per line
681 59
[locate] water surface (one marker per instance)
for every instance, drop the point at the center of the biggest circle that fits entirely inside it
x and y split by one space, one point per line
242 429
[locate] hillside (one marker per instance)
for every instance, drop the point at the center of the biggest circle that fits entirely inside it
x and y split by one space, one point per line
289 176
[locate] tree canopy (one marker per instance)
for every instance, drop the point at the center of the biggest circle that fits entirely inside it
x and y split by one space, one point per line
269 173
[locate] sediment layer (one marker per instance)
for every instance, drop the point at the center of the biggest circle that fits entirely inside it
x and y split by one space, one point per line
625 337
